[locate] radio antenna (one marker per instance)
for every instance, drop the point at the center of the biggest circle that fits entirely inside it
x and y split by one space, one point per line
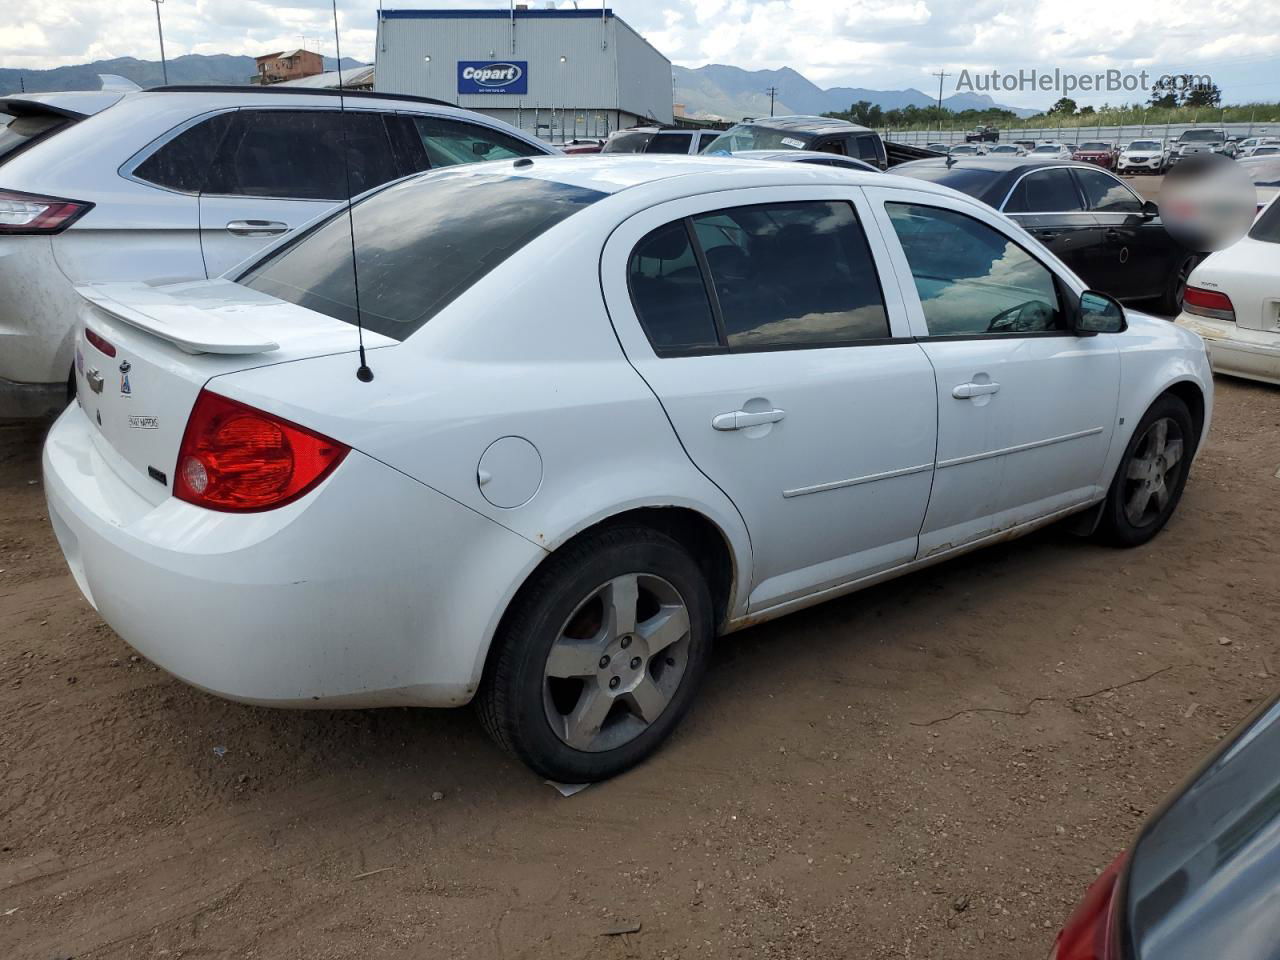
363 373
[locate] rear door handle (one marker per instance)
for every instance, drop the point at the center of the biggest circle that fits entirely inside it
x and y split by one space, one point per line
967 391
257 228
741 419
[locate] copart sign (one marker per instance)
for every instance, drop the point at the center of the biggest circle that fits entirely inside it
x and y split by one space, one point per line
483 76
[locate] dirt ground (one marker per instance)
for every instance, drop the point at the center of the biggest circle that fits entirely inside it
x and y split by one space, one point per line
934 768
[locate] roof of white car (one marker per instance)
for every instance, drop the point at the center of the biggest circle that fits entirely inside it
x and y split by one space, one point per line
613 173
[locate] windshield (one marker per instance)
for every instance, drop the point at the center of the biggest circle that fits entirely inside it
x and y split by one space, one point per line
634 142
24 131
1048 148
1004 148
1095 147
421 243
1267 226
1143 145
748 136
1201 136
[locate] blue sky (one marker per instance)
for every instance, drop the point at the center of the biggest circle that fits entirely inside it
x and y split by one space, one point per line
881 44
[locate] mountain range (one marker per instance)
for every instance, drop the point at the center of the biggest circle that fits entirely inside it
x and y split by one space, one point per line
734 93
194 68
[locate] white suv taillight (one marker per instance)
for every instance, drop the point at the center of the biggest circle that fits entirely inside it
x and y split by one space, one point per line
30 213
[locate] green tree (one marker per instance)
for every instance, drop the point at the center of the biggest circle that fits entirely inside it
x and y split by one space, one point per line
1203 96
1065 106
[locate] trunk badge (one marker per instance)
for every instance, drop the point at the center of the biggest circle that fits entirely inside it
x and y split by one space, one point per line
95 379
125 389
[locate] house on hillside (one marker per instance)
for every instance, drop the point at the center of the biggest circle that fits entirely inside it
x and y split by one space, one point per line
288 65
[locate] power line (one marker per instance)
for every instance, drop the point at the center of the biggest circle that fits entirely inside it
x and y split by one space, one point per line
772 92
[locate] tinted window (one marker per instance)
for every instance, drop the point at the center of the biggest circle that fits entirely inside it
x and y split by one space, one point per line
670 143
1267 226
627 143
792 274
1107 194
971 278
421 243
866 148
183 162
705 140
450 142
25 131
1046 191
668 292
298 154
974 181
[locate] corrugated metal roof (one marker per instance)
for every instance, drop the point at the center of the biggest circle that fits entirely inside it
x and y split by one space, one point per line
356 76
494 14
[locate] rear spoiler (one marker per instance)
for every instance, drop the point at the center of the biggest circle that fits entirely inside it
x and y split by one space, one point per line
189 328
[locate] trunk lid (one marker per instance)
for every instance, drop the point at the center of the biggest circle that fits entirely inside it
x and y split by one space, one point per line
1249 273
143 353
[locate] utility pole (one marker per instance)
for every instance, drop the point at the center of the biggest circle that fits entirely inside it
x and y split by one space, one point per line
941 76
772 92
164 66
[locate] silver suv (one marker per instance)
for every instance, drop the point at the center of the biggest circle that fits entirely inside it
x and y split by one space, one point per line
183 183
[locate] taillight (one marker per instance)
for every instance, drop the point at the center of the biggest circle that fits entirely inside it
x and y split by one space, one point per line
31 213
1090 933
99 342
1208 303
236 458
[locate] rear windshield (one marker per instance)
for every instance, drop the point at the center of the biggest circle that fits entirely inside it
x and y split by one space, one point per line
24 131
628 142
420 244
1267 226
747 136
974 181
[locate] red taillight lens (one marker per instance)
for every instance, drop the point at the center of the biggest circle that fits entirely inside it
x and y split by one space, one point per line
1208 303
236 458
98 342
31 213
1090 933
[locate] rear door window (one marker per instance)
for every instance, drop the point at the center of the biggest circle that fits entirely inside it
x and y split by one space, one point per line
298 155
669 293
448 142
670 143
1045 191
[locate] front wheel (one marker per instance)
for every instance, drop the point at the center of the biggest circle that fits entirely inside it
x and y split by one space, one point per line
1151 476
600 655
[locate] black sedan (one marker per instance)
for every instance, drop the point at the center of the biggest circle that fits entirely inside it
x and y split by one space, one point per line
1202 880
1091 219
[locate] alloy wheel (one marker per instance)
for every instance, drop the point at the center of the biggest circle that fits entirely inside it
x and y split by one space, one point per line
1152 473
616 663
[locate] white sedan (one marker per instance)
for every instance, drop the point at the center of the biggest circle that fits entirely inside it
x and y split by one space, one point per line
612 408
1233 302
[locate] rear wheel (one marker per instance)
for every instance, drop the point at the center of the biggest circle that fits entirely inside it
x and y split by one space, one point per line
600 656
1176 289
1152 474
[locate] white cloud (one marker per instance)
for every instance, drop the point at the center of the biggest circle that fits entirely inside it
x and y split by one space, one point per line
884 44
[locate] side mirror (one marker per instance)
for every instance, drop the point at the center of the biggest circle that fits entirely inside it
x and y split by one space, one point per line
1099 313
1150 210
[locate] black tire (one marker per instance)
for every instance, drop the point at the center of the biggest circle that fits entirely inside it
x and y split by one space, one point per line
518 701
1119 525
1171 300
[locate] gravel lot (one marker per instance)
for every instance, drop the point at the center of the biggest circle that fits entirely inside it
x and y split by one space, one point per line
936 767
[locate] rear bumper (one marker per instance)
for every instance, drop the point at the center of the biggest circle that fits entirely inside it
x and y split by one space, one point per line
31 400
1253 354
373 590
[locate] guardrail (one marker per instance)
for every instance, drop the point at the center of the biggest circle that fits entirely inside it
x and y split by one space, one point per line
1112 133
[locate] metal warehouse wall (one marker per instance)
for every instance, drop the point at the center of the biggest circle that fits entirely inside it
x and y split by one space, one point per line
607 66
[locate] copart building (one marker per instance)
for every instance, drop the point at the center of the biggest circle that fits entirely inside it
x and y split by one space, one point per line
559 74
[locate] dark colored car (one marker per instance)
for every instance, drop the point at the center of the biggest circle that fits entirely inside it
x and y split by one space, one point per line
1095 151
1090 218
822 134
1202 880
982 134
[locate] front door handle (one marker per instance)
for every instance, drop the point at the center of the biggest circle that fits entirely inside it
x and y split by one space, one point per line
741 419
967 391
1112 234
257 228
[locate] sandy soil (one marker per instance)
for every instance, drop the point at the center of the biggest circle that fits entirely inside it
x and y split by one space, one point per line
935 768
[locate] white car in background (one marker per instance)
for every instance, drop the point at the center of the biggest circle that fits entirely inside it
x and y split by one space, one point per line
1051 151
967 150
1143 156
1265 174
1233 302
184 182
1007 150
1247 147
808 156
614 407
